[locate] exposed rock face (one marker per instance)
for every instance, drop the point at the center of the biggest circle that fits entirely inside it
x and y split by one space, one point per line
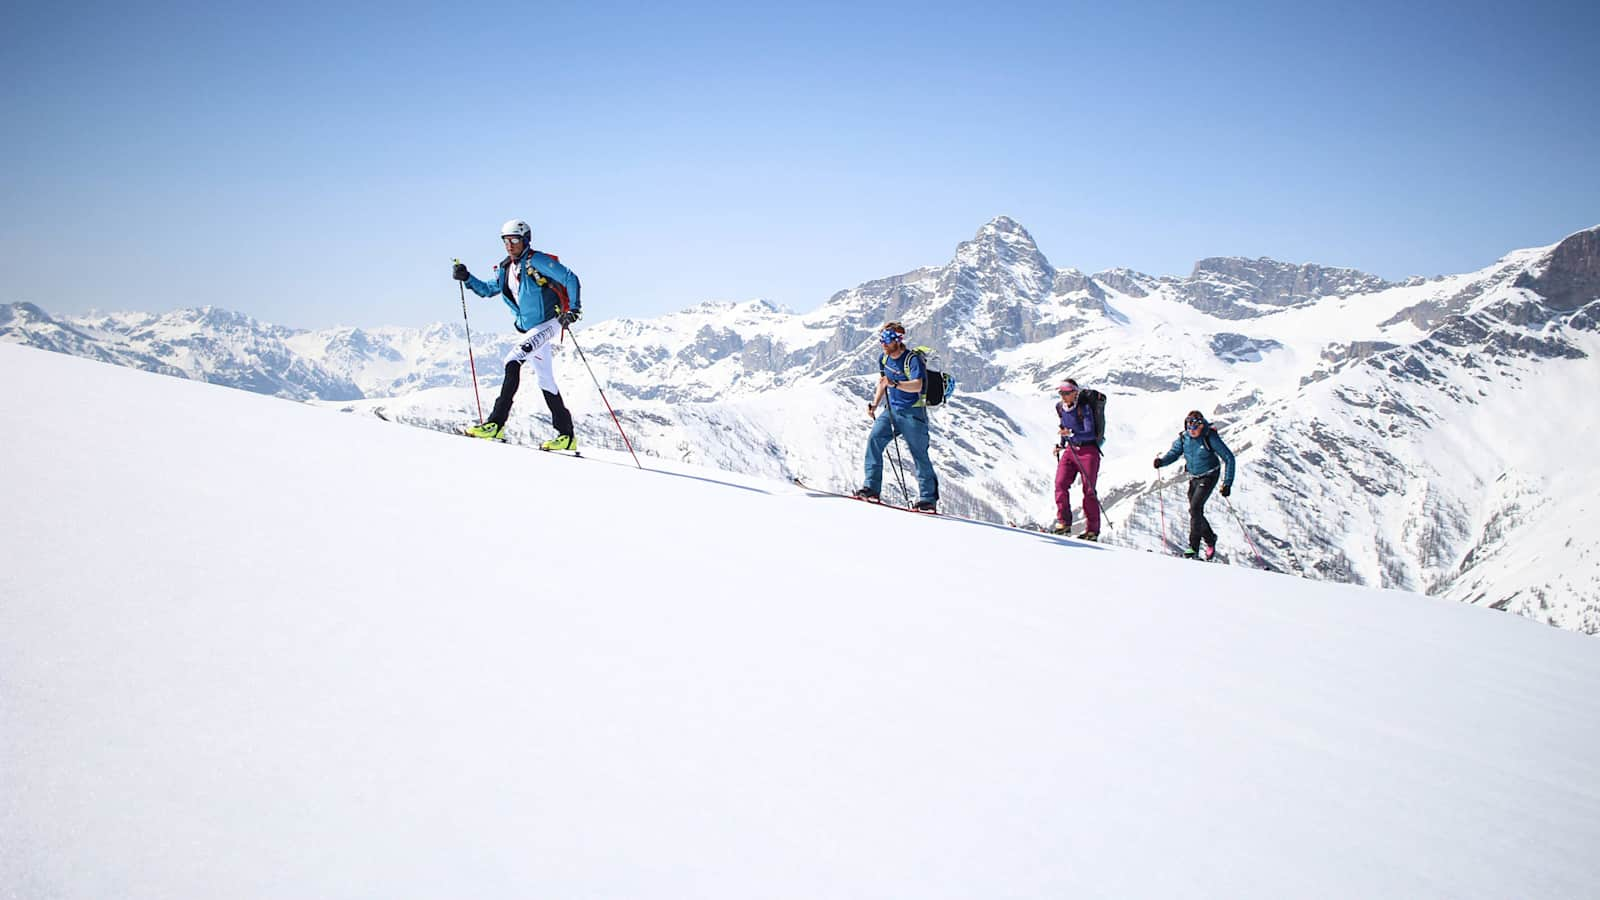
1571 276
1230 287
1233 348
1126 281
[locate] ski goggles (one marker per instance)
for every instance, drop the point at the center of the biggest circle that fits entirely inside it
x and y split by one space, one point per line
889 336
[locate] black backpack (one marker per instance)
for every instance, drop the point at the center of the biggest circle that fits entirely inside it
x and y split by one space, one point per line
1097 405
936 386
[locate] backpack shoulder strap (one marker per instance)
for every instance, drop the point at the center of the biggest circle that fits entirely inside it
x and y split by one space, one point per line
919 353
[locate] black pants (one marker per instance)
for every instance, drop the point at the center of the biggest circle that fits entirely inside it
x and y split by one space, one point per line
1199 492
559 416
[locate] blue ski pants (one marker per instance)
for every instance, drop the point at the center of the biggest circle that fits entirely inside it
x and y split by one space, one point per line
911 424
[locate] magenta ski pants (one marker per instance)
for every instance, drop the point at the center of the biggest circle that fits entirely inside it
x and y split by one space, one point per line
1076 461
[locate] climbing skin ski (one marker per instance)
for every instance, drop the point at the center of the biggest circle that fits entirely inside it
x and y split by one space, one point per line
875 501
382 413
503 440
818 492
499 440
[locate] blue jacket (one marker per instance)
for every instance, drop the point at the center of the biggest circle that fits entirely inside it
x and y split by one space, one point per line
1080 418
545 289
1200 459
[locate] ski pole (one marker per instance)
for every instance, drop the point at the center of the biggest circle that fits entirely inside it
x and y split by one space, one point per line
470 360
603 399
1246 531
899 462
1161 498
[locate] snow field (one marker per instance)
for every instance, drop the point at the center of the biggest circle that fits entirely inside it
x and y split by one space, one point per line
251 648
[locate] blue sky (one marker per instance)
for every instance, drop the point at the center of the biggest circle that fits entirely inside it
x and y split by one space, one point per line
320 164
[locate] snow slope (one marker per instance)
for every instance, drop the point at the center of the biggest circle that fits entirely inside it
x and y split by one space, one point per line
1389 434
253 648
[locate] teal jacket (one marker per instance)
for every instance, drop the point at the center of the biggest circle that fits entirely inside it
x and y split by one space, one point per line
545 288
1202 455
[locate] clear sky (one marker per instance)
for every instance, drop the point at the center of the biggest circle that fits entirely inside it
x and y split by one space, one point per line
320 164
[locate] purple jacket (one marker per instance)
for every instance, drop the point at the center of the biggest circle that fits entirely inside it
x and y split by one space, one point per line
1080 419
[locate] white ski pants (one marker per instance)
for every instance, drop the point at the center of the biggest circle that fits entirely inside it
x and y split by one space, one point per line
538 347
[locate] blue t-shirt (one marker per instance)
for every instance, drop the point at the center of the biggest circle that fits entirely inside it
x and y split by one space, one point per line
908 367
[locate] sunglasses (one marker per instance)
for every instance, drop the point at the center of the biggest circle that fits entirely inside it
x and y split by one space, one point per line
1193 423
1069 391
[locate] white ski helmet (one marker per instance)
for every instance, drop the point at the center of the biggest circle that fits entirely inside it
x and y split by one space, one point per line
517 228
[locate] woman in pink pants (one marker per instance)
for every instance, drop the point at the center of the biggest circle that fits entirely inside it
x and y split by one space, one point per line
1077 453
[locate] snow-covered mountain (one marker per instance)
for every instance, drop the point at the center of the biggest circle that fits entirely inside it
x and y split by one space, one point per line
314 655
208 344
1421 435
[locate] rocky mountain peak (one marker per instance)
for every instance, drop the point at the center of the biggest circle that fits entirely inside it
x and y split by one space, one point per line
1003 242
22 314
215 318
1006 225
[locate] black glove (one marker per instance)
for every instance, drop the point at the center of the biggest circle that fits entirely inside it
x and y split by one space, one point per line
460 272
570 316
1226 490
1158 462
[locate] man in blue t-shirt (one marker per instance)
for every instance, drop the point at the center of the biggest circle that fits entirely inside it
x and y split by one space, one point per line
900 374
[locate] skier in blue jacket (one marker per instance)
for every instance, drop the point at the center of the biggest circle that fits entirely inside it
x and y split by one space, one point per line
900 394
543 296
1204 455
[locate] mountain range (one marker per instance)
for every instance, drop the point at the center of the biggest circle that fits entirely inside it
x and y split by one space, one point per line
1425 435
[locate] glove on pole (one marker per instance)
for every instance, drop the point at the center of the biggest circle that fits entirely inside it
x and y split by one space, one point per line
603 398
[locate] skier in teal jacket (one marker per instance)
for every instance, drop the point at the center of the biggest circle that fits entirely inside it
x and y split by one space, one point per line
1204 455
544 297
